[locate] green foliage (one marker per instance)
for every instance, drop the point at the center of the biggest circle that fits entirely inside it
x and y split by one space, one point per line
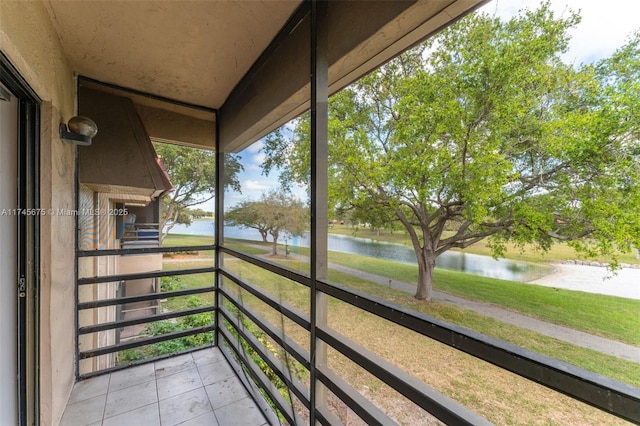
192 174
131 355
294 367
275 214
485 131
183 323
172 284
199 213
159 328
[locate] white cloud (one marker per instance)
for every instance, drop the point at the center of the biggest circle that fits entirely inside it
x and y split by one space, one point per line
254 185
255 147
259 158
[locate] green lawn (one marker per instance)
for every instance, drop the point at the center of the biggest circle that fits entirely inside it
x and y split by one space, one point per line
469 379
298 296
174 240
607 316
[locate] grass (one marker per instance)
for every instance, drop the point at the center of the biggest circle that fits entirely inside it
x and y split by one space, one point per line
175 240
496 394
602 364
585 358
606 316
298 296
500 396
183 282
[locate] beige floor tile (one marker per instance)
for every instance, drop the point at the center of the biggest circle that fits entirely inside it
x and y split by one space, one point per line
130 398
84 412
131 377
143 416
178 383
240 413
169 366
183 407
215 372
226 392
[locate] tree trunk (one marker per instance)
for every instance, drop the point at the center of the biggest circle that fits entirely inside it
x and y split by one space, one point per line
275 243
263 234
426 265
171 217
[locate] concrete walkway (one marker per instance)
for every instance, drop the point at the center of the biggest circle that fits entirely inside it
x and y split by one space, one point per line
578 338
624 282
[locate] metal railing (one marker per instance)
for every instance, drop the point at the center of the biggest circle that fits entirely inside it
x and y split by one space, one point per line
244 334
156 297
139 235
608 395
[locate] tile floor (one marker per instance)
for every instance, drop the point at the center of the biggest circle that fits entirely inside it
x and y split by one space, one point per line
199 388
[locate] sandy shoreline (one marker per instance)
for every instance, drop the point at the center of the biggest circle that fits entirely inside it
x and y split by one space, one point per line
593 279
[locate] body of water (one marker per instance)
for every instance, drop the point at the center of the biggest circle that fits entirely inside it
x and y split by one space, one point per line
452 260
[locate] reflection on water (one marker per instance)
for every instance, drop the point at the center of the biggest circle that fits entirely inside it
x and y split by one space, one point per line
451 260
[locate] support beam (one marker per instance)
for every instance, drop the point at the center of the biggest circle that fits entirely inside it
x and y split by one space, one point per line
319 193
364 35
219 227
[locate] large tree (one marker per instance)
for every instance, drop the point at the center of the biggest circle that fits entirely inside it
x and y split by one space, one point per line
192 173
483 132
275 214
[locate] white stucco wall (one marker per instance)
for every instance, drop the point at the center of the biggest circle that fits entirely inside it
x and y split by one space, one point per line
30 42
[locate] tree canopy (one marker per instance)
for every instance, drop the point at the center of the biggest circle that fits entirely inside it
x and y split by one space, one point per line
192 173
275 214
483 132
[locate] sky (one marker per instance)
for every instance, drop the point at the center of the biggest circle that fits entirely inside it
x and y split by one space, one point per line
606 25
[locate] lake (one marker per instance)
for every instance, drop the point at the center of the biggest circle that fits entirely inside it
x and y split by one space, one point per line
452 260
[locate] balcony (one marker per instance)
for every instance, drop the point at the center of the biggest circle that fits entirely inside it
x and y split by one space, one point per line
196 388
141 235
260 78
260 347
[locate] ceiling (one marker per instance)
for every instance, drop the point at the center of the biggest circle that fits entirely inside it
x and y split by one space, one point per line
208 52
192 51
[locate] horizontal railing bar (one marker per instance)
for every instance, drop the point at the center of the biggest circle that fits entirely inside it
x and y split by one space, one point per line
360 405
143 298
142 275
275 364
293 348
147 341
326 417
131 364
143 320
604 393
258 375
436 404
294 314
269 266
143 250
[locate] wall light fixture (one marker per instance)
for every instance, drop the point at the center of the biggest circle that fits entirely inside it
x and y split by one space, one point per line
80 131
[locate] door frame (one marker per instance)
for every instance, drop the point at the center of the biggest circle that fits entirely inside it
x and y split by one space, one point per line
28 250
